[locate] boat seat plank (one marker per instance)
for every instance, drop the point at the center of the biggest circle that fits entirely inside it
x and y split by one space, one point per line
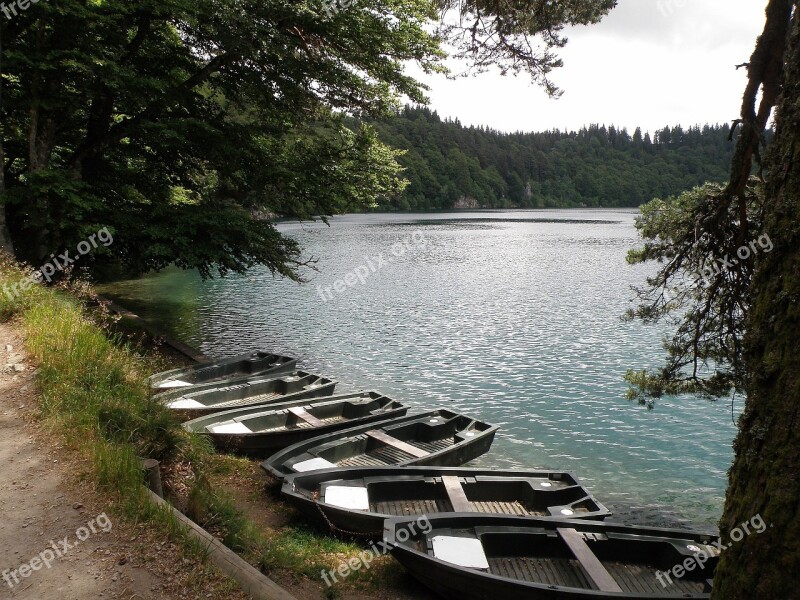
455 493
387 439
591 564
303 414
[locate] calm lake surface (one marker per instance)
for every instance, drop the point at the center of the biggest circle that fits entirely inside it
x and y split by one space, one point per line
510 316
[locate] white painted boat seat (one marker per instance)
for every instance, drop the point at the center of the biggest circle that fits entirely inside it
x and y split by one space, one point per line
173 383
312 464
461 551
230 427
346 496
185 403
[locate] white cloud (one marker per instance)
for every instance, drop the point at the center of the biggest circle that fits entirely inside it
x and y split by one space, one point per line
650 63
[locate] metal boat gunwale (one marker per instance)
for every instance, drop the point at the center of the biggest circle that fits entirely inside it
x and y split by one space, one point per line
322 443
288 387
304 491
232 386
248 380
266 409
286 363
444 576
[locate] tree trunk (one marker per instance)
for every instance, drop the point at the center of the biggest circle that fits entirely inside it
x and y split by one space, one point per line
765 478
5 237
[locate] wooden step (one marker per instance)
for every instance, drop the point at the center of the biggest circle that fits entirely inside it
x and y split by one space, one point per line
590 563
304 415
456 495
387 439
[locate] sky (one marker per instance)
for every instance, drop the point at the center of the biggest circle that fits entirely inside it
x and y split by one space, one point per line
649 63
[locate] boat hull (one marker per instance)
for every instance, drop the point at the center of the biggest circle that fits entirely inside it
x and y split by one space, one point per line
334 447
208 374
540 575
418 490
288 388
261 444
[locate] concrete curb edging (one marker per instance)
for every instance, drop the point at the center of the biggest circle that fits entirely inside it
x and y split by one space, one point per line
250 579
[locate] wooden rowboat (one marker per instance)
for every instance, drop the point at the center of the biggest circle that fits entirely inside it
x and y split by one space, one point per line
296 385
440 437
261 430
246 365
482 557
359 499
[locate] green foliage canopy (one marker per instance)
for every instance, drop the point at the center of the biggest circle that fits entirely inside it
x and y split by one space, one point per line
702 288
595 166
716 226
504 33
179 124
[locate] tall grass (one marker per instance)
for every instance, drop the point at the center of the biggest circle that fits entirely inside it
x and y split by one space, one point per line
93 390
296 548
95 396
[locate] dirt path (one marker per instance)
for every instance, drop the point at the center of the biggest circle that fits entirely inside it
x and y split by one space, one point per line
56 542
91 556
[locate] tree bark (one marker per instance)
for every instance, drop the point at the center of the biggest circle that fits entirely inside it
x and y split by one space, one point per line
5 237
763 74
765 477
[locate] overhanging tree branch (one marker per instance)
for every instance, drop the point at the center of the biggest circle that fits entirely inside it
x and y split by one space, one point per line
763 72
151 112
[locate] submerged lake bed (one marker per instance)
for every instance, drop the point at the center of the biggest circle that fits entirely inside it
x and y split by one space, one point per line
512 317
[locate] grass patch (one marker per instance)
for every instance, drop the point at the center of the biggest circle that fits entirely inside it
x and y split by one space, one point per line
295 549
95 396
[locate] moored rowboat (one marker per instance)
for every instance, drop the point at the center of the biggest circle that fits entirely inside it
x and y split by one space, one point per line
480 557
439 437
246 365
296 385
262 430
359 499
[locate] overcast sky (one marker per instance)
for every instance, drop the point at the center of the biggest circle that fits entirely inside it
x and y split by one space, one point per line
650 63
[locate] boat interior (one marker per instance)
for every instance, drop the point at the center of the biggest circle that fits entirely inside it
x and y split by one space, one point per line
622 563
479 494
394 444
317 414
253 392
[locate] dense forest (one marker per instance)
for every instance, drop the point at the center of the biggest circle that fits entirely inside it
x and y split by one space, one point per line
449 165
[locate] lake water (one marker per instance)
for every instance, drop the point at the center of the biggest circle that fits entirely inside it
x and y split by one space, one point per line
510 316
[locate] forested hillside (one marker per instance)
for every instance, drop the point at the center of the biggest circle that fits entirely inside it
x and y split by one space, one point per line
449 165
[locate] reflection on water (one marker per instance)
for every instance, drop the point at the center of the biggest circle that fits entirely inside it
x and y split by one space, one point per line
513 317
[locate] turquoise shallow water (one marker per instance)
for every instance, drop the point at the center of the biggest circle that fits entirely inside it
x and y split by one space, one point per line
513 317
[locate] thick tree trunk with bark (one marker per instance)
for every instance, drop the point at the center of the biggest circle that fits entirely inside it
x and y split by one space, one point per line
765 477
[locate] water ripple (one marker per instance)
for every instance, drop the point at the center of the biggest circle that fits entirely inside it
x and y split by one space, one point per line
512 318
